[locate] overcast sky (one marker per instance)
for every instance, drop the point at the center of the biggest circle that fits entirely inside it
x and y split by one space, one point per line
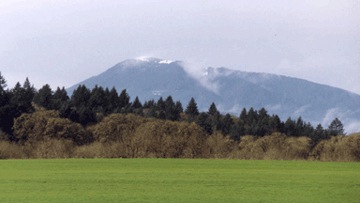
66 41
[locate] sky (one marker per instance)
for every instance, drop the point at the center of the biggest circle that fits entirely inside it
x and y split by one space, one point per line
62 42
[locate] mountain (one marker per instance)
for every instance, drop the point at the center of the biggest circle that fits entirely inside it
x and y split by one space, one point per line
232 90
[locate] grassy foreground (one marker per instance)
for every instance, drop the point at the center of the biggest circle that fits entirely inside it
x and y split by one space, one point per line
177 180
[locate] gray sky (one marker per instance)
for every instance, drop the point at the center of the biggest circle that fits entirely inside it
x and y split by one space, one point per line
66 41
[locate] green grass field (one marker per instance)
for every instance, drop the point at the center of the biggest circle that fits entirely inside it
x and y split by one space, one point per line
177 180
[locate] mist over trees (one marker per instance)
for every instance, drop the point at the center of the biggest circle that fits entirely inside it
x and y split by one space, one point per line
39 121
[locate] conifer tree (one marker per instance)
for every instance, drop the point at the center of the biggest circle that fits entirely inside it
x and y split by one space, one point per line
289 127
80 96
98 99
227 123
275 124
136 103
2 83
237 130
62 94
149 104
160 104
192 109
213 110
44 97
60 98
124 100
203 120
21 98
336 128
6 112
170 113
179 107
243 115
112 97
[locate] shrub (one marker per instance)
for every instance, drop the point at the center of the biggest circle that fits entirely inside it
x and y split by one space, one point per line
10 151
338 148
116 127
219 146
275 147
168 139
49 148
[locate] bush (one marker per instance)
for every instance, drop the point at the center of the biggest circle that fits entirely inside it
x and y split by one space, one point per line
49 149
10 151
338 148
275 147
167 139
116 127
219 146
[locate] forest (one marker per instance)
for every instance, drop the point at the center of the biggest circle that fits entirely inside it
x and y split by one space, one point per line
102 122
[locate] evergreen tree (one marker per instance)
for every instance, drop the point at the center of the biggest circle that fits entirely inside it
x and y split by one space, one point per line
319 134
149 104
203 120
215 117
13 103
3 84
29 92
243 115
263 123
98 99
308 129
192 109
336 128
124 100
169 108
237 130
113 100
80 97
213 110
60 98
6 112
86 116
44 97
171 113
275 124
179 107
21 98
160 104
289 127
251 116
151 112
227 123
136 104
160 108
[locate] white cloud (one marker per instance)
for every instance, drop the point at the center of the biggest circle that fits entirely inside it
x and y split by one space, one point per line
352 127
198 72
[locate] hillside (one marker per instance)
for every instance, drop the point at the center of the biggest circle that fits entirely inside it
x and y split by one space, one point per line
232 90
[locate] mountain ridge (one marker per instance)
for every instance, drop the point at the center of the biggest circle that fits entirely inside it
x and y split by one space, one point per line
231 90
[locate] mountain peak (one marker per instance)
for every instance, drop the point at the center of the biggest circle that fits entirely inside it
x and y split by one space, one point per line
153 60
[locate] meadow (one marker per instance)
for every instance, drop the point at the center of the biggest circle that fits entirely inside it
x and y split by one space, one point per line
177 180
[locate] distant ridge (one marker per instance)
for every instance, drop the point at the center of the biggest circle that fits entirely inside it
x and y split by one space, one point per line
231 90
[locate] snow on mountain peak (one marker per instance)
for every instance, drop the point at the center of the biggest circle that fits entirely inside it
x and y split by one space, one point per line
152 59
144 58
165 61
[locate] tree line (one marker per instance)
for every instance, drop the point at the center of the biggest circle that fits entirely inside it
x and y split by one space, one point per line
89 106
100 122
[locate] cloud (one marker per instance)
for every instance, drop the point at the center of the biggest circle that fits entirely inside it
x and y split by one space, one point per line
199 72
352 127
